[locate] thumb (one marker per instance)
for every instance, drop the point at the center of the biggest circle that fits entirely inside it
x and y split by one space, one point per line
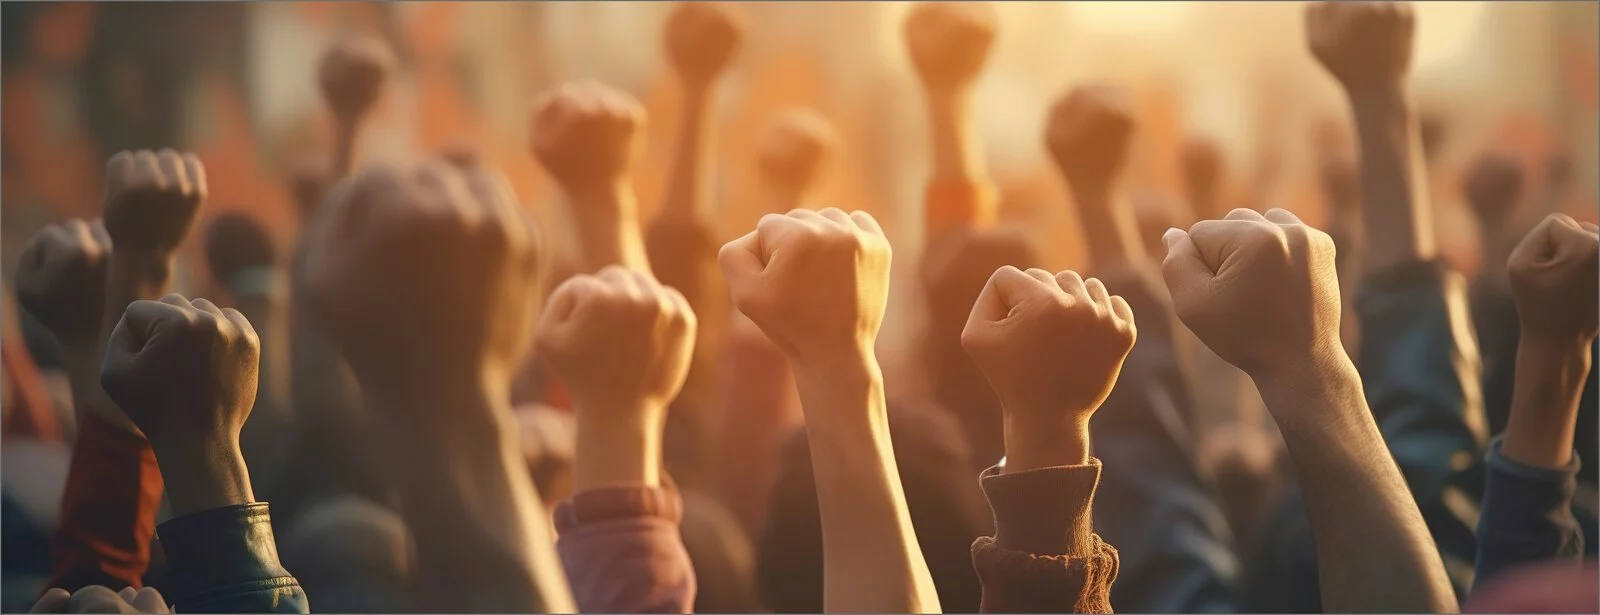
1184 271
741 263
554 325
148 600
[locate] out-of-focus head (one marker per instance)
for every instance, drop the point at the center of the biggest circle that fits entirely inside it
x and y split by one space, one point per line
353 555
237 242
797 152
948 512
1493 187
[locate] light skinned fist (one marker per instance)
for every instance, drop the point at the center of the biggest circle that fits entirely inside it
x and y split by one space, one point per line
100 599
797 151
1553 279
1493 187
352 76
1088 133
184 372
423 272
587 134
815 282
61 279
1051 345
701 38
152 201
1366 45
949 42
620 342
1260 291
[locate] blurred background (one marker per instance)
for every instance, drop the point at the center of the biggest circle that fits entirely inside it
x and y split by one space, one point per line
235 82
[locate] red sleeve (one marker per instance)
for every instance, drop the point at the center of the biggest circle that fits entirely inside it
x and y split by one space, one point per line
108 513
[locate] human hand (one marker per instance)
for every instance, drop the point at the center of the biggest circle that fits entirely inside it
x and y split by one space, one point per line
425 273
797 152
100 599
152 201
1052 347
1553 280
1260 291
814 282
587 134
701 38
1492 187
352 75
1366 45
949 42
237 243
620 342
61 280
1088 135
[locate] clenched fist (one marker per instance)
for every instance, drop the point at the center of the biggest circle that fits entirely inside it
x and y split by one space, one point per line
1553 279
1050 345
152 200
586 134
61 279
814 282
417 271
797 151
701 38
949 42
619 341
184 372
1260 291
352 76
1088 134
1364 44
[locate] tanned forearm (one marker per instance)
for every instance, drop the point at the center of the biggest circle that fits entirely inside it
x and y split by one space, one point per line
871 560
957 151
1355 496
1109 229
344 149
1395 208
686 196
1550 377
607 220
483 544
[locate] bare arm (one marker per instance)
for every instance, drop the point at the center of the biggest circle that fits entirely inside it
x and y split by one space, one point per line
949 44
1394 195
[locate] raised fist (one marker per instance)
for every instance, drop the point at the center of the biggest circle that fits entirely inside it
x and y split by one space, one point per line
586 134
1553 279
949 42
814 282
1492 187
61 279
1050 345
152 200
1088 134
797 151
417 267
701 38
352 76
1364 44
100 599
236 243
619 341
183 372
1260 291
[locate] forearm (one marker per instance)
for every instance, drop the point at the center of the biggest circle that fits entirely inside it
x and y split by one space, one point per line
616 451
482 543
344 149
1108 226
757 408
607 220
685 188
1374 553
1550 377
871 559
957 151
1394 198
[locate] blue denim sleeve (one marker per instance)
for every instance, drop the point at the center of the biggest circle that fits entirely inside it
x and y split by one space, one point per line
1527 515
225 560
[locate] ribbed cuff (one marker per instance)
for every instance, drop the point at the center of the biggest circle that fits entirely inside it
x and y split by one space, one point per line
220 549
1045 511
617 503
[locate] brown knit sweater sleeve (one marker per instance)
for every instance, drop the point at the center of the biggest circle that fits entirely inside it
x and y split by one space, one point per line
1044 556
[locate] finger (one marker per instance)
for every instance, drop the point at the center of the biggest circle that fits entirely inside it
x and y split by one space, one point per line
805 215
95 599
1183 269
1007 286
1240 213
621 279
176 299
146 168
205 305
563 301
241 322
835 215
173 173
97 231
1278 215
118 171
1589 226
1120 307
1043 277
196 174
127 593
1097 292
681 303
866 222
149 600
53 601
741 262
1072 284
645 282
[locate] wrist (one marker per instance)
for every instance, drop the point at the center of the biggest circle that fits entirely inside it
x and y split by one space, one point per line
203 473
1549 381
617 446
1034 442
140 267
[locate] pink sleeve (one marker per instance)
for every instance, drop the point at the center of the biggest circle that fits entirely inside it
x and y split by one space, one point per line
623 553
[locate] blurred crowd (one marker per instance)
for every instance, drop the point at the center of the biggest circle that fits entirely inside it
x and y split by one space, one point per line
538 379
